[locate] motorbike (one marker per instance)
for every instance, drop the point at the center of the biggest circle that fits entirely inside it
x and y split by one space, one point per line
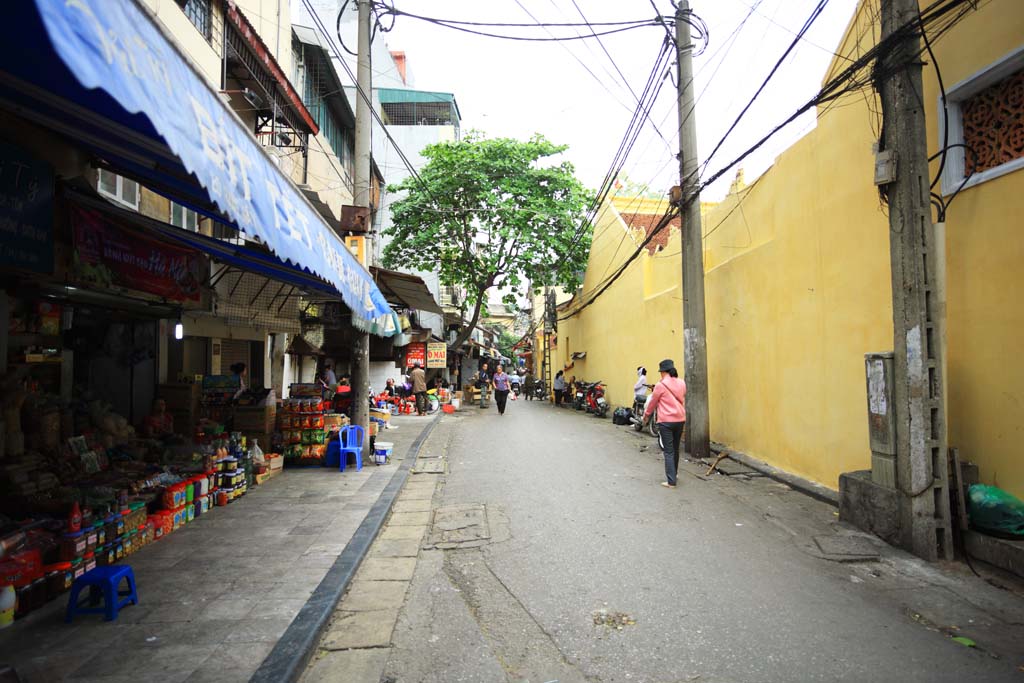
596 402
637 417
539 392
579 395
516 386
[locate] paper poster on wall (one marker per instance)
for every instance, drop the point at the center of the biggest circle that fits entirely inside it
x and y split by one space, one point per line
437 355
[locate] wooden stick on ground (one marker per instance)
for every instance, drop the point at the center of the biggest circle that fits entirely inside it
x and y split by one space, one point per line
721 456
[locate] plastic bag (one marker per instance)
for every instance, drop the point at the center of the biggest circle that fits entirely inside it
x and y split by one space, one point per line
996 511
257 453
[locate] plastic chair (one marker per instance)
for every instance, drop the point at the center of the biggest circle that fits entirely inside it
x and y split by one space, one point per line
103 582
352 442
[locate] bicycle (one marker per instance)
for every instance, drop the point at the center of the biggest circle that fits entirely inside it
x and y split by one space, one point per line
433 402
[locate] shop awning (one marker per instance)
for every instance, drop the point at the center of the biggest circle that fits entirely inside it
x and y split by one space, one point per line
299 346
102 73
403 289
231 255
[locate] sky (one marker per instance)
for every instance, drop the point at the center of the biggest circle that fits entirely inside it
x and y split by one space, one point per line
572 92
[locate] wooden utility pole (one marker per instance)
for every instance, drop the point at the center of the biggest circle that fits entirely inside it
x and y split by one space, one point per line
362 172
695 353
921 462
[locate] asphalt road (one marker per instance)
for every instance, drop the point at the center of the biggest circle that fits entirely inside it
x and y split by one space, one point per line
714 581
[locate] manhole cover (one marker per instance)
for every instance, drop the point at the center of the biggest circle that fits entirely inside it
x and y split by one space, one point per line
846 548
459 526
434 466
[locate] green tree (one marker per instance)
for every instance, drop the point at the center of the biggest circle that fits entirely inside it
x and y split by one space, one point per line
491 213
506 340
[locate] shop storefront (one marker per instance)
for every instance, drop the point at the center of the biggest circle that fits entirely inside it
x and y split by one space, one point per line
144 373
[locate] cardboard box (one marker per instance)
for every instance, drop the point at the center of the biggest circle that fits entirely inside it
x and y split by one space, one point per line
262 478
255 418
274 461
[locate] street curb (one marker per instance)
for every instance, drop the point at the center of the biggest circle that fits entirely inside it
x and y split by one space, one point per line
288 660
805 486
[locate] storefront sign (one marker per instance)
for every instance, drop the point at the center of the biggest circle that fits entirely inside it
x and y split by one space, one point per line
416 352
437 355
26 211
107 255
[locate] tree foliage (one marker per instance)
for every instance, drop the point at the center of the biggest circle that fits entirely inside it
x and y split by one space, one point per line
491 213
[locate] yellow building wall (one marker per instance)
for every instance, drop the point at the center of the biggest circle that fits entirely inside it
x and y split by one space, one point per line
798 290
985 250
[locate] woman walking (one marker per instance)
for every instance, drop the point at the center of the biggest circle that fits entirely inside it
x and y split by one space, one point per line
559 387
669 398
501 388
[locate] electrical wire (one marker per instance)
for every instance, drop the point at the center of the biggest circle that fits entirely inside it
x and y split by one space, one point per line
851 79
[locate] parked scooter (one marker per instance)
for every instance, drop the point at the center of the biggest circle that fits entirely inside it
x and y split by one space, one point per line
516 384
579 395
596 402
539 392
637 417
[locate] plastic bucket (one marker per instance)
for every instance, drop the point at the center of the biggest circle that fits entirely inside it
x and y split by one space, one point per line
382 451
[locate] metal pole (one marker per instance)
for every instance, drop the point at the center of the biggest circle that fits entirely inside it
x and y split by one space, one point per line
695 355
361 347
921 465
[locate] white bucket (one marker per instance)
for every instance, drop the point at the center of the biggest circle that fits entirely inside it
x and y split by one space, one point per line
456 403
382 451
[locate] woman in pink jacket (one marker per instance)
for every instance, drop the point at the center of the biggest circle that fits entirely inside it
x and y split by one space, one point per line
669 398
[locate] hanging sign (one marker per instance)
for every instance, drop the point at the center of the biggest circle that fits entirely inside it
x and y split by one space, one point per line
107 255
26 211
416 352
437 355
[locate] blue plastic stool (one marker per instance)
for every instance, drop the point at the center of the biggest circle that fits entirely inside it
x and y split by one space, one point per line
352 442
105 582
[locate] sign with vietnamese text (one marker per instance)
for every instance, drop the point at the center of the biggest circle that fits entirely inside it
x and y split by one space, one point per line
107 255
437 355
26 211
416 352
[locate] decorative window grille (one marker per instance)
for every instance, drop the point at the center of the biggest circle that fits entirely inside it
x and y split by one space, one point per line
985 118
993 123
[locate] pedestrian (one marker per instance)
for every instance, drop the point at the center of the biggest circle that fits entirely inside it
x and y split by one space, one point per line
483 383
328 378
559 387
501 388
419 388
529 385
239 371
669 398
640 388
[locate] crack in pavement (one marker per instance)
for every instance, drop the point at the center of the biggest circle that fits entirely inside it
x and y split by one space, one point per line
518 641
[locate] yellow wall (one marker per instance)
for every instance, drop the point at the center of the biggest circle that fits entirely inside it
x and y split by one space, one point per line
798 290
985 250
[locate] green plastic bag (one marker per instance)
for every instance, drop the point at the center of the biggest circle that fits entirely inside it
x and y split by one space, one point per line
996 511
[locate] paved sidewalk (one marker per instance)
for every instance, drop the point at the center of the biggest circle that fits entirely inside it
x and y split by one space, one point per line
217 595
354 647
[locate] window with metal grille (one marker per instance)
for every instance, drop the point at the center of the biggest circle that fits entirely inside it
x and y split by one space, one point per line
199 13
313 82
420 113
994 124
118 188
184 218
983 121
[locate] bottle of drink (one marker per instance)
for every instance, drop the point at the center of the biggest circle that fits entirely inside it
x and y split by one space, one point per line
75 518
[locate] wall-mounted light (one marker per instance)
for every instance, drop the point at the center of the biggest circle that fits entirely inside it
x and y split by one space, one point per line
179 330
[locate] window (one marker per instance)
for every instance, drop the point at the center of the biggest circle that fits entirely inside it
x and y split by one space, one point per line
118 188
184 218
986 125
198 12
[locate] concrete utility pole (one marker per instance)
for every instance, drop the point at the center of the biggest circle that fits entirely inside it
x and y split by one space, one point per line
921 462
364 81
695 353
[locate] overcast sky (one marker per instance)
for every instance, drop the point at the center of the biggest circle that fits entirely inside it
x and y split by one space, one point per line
515 89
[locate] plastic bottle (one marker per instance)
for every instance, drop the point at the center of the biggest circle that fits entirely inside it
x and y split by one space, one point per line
75 518
8 601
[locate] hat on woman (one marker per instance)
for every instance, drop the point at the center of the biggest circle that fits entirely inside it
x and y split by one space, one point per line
666 365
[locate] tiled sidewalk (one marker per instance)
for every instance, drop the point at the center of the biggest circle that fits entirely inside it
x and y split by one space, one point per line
216 595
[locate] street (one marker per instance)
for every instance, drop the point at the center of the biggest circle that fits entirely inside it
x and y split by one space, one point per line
582 568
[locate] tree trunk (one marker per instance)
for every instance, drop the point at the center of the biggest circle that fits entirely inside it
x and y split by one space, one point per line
468 330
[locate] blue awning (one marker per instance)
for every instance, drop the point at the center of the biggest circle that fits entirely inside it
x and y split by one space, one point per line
102 74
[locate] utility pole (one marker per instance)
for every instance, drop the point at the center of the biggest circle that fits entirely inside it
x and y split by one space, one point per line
695 352
921 460
361 347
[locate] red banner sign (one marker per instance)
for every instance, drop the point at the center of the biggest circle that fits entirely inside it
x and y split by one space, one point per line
107 255
416 352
